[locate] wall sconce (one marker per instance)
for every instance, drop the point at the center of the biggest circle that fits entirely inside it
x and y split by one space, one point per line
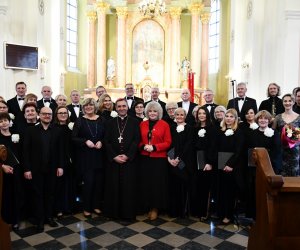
44 59
245 65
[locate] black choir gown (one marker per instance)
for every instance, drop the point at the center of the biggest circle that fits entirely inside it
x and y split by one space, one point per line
202 180
65 186
257 138
180 179
90 160
120 186
12 185
227 185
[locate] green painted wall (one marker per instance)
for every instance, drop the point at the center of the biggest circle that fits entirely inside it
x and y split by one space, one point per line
111 36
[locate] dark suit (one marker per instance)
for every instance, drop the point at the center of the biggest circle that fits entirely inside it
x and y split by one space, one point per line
53 104
73 116
162 104
248 103
131 110
43 165
267 105
13 106
190 119
212 110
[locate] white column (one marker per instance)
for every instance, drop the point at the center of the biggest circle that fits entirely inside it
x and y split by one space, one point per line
101 42
91 64
195 9
121 46
175 55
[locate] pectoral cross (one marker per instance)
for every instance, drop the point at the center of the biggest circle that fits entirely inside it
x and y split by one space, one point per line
120 138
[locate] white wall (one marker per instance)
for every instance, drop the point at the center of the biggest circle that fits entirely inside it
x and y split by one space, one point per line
269 41
21 23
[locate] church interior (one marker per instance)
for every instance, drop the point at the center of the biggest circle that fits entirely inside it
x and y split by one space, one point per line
83 44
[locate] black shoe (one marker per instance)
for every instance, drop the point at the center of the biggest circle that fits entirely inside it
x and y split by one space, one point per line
51 222
15 227
39 228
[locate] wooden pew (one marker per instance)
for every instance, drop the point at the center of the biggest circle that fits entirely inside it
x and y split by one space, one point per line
5 241
277 223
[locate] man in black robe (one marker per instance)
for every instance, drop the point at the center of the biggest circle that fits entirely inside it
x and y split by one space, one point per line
121 142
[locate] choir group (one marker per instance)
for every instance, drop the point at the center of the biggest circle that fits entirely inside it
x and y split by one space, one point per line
129 157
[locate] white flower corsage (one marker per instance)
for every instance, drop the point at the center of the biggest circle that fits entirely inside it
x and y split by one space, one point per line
145 119
71 125
253 126
269 132
15 138
11 123
113 114
229 132
12 116
201 132
179 128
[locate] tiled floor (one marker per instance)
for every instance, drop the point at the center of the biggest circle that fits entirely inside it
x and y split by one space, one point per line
76 232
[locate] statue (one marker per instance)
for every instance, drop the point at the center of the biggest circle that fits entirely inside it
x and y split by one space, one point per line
111 69
185 67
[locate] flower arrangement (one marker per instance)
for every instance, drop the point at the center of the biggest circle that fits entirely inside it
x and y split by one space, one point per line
229 132
179 128
202 132
71 125
269 132
290 136
113 114
253 126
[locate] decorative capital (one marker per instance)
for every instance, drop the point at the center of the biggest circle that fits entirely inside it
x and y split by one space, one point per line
175 12
92 15
205 17
102 6
196 8
122 12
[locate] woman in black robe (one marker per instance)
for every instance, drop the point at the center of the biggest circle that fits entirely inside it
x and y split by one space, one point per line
229 140
106 107
65 185
269 139
181 165
88 135
11 192
204 142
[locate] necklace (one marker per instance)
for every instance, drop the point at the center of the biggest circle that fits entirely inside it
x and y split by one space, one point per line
96 130
120 138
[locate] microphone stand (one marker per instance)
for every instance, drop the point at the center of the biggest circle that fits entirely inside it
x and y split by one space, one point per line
232 84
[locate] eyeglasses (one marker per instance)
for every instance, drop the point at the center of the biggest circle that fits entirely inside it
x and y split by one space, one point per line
46 114
171 108
62 113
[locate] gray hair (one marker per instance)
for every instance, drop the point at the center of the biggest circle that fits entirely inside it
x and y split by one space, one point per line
171 105
180 109
219 108
155 106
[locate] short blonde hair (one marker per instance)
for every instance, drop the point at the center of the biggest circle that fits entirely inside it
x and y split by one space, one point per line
219 108
236 120
156 106
88 101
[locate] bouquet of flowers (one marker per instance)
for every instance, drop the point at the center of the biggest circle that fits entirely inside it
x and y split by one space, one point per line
290 136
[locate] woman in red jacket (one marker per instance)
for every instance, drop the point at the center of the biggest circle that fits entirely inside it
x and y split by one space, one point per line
155 142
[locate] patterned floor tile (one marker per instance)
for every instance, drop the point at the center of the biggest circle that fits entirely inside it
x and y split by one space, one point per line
220 233
157 245
59 232
121 245
71 239
188 233
105 240
68 220
184 221
208 240
141 226
85 245
157 222
193 246
239 239
50 245
19 244
174 240
91 232
140 240
225 245
124 232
